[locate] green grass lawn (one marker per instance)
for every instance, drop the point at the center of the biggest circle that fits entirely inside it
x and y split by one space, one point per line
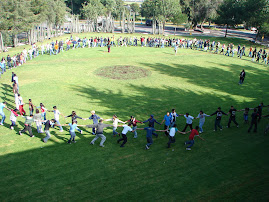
229 165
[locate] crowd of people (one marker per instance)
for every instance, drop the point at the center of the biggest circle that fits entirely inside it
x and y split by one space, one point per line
169 121
56 47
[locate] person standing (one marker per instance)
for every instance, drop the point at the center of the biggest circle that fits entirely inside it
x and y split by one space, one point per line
43 111
201 116
21 104
133 121
172 134
115 121
99 131
27 125
16 79
2 106
194 132
174 116
31 107
254 117
73 127
108 47
38 121
57 114
74 117
167 121
219 114
152 122
124 134
232 112
95 119
242 77
188 121
48 124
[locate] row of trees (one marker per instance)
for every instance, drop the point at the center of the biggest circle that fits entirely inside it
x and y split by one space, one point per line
33 17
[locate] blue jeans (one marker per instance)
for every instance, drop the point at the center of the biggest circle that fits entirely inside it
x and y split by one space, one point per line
135 133
3 117
190 142
217 123
44 116
73 135
58 122
114 131
201 126
149 141
13 123
78 130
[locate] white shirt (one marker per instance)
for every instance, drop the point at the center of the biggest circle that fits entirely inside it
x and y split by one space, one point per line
56 114
20 101
12 117
15 78
172 132
188 119
126 129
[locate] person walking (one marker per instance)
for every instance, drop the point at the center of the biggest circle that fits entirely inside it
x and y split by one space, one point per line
38 121
124 132
27 125
232 112
201 116
115 121
152 122
74 117
13 117
173 130
57 114
188 121
167 121
99 131
219 114
48 124
194 133
21 104
133 121
73 127
254 117
242 77
95 119
2 106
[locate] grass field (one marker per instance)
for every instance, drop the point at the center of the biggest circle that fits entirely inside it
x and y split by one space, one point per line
229 165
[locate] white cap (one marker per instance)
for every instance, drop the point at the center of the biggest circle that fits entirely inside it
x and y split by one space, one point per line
93 112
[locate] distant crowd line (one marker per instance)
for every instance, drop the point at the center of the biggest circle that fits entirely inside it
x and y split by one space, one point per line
56 47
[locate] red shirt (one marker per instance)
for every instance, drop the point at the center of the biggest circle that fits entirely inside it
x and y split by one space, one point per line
193 133
134 122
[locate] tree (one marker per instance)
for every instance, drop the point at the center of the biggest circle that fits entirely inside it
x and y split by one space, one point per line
16 17
135 8
230 13
75 6
179 18
92 9
256 16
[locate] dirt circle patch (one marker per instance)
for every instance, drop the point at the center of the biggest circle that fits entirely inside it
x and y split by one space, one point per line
122 72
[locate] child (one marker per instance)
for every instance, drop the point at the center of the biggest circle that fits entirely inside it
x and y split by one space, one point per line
74 117
73 127
57 114
31 106
133 121
152 121
172 133
167 121
115 121
27 125
48 124
219 114
194 132
13 118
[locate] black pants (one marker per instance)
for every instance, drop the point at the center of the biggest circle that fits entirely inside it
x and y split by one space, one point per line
255 127
166 132
124 139
29 129
186 126
171 140
230 120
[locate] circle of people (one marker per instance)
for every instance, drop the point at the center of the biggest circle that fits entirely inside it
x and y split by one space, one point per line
56 47
169 120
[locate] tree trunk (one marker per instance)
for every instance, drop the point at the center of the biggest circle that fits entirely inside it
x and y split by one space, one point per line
163 27
123 22
133 31
128 24
2 47
15 40
226 30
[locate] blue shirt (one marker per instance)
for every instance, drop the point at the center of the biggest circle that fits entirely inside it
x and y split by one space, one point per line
149 130
94 118
151 122
72 127
2 106
168 120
